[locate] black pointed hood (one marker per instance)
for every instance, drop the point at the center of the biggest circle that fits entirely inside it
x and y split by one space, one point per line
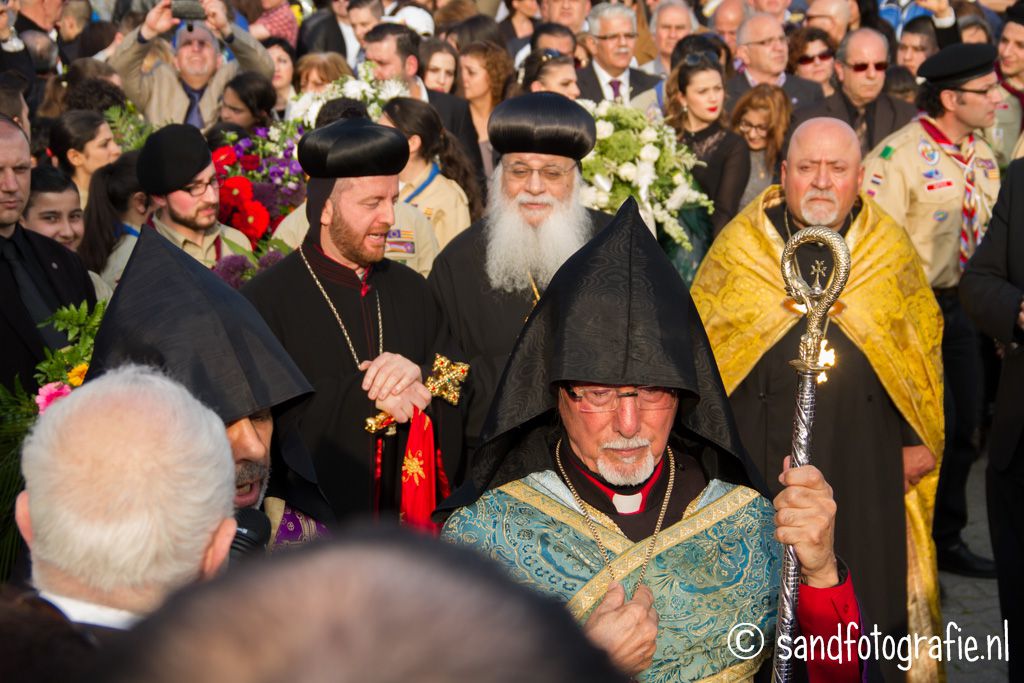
171 312
616 312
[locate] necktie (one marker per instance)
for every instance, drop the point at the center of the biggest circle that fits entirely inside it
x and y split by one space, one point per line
860 127
33 298
616 85
193 117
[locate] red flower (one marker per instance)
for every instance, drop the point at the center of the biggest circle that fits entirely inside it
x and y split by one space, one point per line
235 191
249 162
223 157
252 220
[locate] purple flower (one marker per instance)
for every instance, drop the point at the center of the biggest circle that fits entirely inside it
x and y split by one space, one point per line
233 269
260 132
295 167
243 144
269 259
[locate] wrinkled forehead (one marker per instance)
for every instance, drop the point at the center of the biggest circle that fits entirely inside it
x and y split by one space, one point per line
198 35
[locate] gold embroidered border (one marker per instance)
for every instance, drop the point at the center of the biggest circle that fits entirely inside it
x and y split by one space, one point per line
612 538
744 671
630 560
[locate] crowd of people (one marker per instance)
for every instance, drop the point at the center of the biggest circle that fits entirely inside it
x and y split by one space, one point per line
441 333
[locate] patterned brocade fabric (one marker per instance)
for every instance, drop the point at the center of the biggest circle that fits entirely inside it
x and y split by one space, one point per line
717 567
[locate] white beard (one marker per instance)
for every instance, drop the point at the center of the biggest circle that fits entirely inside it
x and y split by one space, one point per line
516 250
644 465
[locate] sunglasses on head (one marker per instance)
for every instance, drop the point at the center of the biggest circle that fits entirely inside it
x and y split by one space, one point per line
701 57
861 67
804 60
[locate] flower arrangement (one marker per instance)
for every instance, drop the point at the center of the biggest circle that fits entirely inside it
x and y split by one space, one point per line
370 91
238 268
640 157
128 126
261 181
57 375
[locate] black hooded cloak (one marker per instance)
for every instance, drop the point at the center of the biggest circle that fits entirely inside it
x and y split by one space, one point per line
615 313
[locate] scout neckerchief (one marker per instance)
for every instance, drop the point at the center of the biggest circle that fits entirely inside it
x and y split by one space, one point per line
963 155
434 170
1003 81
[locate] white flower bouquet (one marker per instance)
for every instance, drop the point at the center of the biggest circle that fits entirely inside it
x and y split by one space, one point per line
367 89
639 157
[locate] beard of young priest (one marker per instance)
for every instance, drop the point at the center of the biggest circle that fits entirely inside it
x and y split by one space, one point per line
488 278
694 542
364 328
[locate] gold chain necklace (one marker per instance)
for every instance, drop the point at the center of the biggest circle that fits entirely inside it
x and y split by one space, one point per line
592 525
344 331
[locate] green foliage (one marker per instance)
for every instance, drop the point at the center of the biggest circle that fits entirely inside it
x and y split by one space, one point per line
128 126
80 324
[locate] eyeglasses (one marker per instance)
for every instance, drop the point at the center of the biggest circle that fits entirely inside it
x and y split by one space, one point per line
804 60
198 189
861 67
617 37
549 174
747 127
768 42
983 91
606 399
700 57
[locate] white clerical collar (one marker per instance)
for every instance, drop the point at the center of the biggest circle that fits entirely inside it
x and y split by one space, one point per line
82 612
604 78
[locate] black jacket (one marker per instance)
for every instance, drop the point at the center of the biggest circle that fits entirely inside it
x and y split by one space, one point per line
885 115
590 87
991 292
320 33
456 119
800 90
22 343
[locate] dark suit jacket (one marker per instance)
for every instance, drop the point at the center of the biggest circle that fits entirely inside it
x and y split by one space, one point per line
22 343
320 32
590 87
456 119
800 90
991 292
885 115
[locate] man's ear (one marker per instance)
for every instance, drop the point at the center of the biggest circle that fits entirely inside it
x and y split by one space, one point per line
327 214
412 66
22 518
782 173
216 556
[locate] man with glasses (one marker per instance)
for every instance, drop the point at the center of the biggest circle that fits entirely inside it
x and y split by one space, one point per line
613 480
672 21
488 279
861 62
763 50
176 169
939 180
609 75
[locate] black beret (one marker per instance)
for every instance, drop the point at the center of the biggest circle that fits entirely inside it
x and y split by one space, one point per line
543 123
171 158
353 148
1015 13
958 63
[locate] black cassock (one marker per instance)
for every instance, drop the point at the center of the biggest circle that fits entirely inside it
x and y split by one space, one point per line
483 322
343 453
857 443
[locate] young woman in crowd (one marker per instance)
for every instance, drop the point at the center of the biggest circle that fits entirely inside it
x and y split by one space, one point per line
549 71
521 19
696 112
438 179
812 56
761 116
82 143
486 72
284 75
316 70
248 101
117 212
439 66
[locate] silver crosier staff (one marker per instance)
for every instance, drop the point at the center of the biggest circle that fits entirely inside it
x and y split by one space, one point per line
816 301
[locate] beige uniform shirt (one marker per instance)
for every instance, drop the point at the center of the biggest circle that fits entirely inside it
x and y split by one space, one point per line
444 204
1003 134
922 188
205 253
118 259
411 239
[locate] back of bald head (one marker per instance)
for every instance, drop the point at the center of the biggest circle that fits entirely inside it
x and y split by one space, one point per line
814 131
730 9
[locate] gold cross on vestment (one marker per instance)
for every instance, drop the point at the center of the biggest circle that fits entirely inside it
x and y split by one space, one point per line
818 270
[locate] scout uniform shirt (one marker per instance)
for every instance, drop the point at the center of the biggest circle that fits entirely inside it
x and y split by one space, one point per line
441 200
213 246
922 188
1003 134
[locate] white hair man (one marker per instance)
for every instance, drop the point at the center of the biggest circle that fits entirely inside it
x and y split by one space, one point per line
128 495
671 21
489 278
612 42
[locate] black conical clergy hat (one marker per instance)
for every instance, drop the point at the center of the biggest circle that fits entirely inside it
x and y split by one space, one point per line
171 312
616 312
